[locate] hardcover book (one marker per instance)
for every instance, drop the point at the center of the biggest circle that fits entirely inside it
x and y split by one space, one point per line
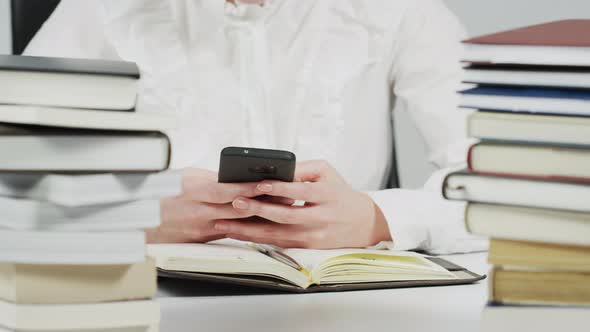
526 224
530 100
513 318
80 190
528 75
526 192
43 149
72 248
524 285
32 215
131 316
62 82
85 119
555 43
542 161
71 284
531 128
539 255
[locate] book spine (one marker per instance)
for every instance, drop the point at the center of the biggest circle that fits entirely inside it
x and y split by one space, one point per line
466 218
470 122
470 156
522 176
445 186
492 285
169 158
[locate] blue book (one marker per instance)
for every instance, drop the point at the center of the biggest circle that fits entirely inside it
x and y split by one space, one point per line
529 92
530 100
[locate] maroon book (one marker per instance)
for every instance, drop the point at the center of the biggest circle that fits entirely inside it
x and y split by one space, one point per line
568 33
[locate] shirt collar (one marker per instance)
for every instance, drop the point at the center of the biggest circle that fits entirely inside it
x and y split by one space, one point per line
251 13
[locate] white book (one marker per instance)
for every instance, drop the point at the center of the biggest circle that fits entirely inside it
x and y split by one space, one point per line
536 193
528 224
549 162
24 214
42 149
554 43
527 54
153 328
115 316
507 126
82 190
67 248
529 76
534 318
85 118
61 82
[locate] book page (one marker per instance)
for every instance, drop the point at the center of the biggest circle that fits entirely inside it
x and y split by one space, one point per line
322 266
223 257
312 258
362 265
219 252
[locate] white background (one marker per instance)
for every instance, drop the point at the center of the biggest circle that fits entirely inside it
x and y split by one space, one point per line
479 16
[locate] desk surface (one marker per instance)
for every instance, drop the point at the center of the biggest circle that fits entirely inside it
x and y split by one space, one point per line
190 307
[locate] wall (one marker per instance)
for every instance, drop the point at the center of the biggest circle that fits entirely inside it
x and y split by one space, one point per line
484 16
5 41
479 17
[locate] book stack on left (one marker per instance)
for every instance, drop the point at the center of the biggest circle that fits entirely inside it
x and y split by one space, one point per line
528 184
81 177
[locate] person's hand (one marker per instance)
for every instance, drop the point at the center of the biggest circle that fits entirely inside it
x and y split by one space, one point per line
334 215
191 216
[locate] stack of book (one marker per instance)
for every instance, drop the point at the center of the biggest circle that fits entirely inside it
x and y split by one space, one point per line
81 177
528 184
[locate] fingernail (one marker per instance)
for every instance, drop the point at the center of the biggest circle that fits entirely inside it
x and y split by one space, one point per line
221 227
240 204
264 187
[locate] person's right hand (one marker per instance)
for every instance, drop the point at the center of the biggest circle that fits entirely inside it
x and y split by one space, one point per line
191 216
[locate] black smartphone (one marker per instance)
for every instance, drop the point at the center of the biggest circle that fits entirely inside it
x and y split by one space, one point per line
255 165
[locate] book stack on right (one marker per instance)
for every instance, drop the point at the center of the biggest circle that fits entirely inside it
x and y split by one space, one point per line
528 183
81 177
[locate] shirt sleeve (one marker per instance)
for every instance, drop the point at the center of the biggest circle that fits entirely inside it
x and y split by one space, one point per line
426 75
75 29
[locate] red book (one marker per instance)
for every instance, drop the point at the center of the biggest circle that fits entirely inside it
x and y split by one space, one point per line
560 33
565 43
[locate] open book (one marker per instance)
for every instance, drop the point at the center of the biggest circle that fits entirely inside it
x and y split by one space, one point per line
322 270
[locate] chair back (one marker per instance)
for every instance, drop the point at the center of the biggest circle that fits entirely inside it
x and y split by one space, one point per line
27 18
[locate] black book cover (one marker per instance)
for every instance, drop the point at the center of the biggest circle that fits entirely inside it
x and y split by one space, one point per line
69 66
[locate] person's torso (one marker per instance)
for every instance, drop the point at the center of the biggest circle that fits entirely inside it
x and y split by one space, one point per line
311 77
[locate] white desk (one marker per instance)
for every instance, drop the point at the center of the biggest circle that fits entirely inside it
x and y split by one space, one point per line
452 308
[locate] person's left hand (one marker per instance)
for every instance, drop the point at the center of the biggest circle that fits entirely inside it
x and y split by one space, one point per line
334 215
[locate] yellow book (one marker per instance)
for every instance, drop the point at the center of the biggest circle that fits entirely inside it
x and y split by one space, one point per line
525 285
127 316
539 255
71 284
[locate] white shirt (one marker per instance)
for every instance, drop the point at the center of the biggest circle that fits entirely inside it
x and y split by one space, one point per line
316 77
